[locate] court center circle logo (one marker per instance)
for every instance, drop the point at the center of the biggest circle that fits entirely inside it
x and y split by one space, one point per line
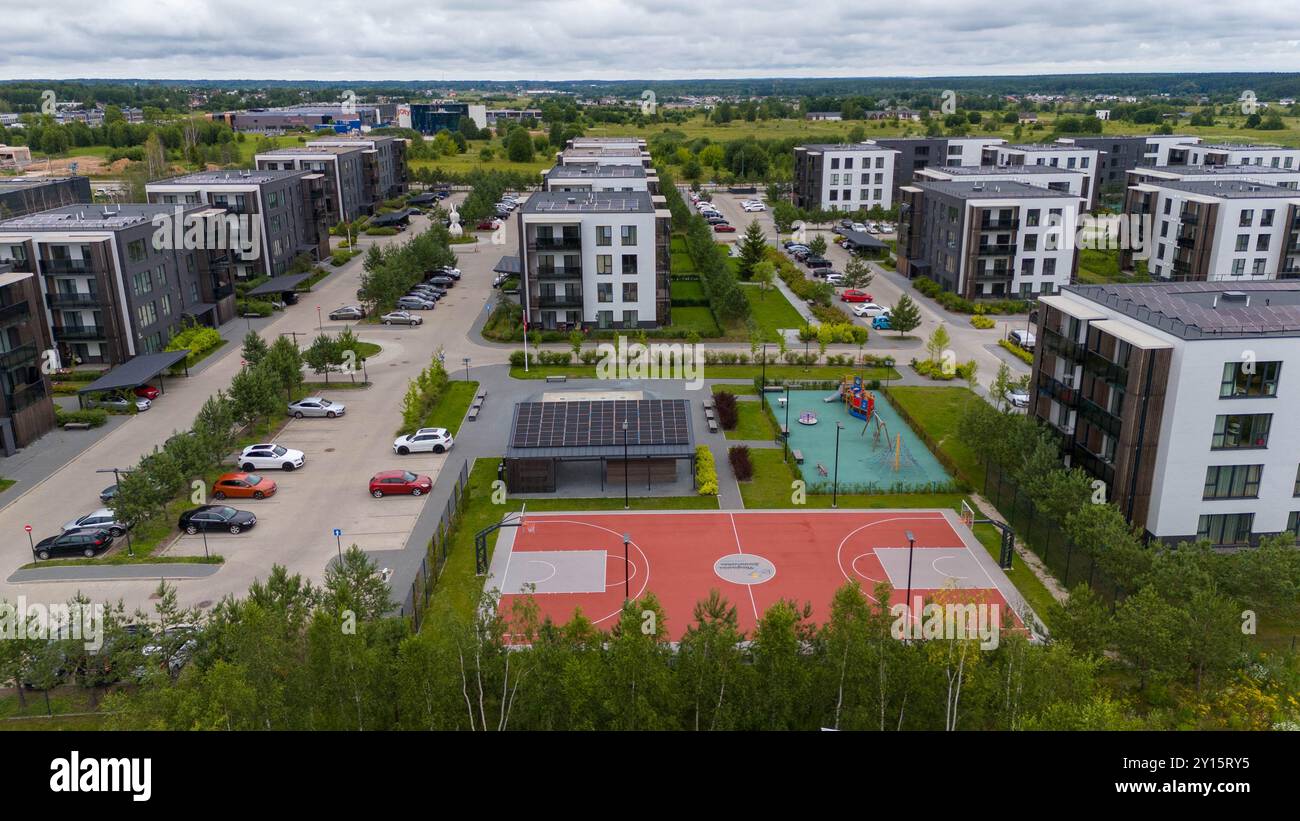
744 568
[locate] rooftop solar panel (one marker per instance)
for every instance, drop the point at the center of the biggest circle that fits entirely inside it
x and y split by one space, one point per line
600 423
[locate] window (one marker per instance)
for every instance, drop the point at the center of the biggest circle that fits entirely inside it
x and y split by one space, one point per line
1242 379
1247 217
848 162
604 292
147 314
604 235
1226 528
629 264
1293 522
1261 242
141 283
136 250
629 292
1031 217
835 162
165 303
1049 267
604 319
1027 267
631 319
1266 218
1031 242
604 264
1238 267
1243 242
1232 481
1241 431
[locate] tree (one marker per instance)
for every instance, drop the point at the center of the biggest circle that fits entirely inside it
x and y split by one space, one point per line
817 245
938 343
1001 386
254 348
519 146
764 273
753 249
322 355
284 361
906 315
255 394
857 274
576 338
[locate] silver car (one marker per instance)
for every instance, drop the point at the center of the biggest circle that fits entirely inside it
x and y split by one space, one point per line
401 318
348 312
316 406
101 518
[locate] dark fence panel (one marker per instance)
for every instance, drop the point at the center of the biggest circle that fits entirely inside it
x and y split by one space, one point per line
435 558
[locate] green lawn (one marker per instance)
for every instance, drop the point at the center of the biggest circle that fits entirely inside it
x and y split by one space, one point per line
771 310
687 289
450 410
937 410
698 319
739 389
751 423
1100 266
458 589
5 484
815 373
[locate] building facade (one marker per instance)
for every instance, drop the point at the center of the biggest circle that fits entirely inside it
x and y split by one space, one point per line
1121 154
1067 181
27 195
387 174
26 404
847 177
916 153
348 191
600 178
1051 155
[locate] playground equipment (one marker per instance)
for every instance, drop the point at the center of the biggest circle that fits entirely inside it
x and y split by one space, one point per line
807 418
858 401
861 404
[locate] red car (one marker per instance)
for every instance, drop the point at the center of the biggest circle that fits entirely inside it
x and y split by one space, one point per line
724 228
147 392
389 482
488 225
243 486
854 295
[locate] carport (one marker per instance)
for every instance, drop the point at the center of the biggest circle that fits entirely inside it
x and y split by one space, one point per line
283 284
393 219
858 241
508 265
134 373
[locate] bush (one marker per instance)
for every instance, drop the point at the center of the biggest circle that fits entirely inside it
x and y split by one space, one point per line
199 339
728 415
95 417
982 322
381 232
706 472
1017 351
961 305
254 307
741 465
342 257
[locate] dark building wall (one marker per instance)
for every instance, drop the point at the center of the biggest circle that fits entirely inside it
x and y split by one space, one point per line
914 154
16 202
26 407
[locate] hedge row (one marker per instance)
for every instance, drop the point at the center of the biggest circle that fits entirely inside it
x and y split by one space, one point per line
959 304
706 471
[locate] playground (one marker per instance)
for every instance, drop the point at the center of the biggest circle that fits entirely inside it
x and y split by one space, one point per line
570 561
878 452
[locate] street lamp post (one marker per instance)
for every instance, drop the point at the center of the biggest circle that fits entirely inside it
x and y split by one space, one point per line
466 361
627 585
626 503
911 546
835 482
764 366
365 377
205 543
786 435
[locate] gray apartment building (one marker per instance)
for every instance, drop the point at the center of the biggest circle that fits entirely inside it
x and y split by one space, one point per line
387 174
111 286
27 195
26 406
282 212
343 170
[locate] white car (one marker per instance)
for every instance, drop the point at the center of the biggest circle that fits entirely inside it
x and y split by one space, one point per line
434 440
270 456
859 227
101 518
753 205
869 309
316 406
1019 398
835 279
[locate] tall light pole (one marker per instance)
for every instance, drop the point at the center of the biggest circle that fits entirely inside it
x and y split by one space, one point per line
786 436
835 482
626 503
466 361
764 366
627 585
117 483
911 546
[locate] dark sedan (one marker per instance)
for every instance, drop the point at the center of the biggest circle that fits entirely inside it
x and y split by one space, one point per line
216 517
85 542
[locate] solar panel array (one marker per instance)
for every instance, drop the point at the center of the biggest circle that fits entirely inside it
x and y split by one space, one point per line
600 423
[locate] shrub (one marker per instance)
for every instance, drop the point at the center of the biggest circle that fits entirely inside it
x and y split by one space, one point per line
728 415
254 307
741 465
95 417
342 257
1017 351
982 322
381 232
199 339
706 472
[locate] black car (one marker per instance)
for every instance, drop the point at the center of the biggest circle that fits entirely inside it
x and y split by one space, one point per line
85 542
442 281
817 262
216 517
107 494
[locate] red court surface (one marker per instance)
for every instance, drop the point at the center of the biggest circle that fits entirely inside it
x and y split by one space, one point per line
754 558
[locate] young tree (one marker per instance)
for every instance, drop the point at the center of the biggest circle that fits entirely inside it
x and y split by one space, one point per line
254 348
322 355
1001 386
764 273
938 343
857 274
817 245
284 361
753 249
906 315
255 395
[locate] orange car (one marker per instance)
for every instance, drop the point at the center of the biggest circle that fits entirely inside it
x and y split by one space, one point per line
242 486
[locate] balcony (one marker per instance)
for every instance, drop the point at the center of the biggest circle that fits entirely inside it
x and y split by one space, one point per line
996 250
559 273
559 301
67 266
555 244
1189 217
25 395
1000 225
1058 390
16 357
998 274
1054 342
78 332
16 312
82 299
1185 242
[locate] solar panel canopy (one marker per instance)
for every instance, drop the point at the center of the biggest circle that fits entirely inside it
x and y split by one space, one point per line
599 423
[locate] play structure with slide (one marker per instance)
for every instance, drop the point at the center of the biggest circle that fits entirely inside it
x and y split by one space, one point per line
860 403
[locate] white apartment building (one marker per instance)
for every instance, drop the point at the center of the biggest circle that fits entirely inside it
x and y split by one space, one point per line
846 177
594 156
600 178
1263 174
598 260
1053 155
1039 176
1176 396
1273 156
968 152
1217 230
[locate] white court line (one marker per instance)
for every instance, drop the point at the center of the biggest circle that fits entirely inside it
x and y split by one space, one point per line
839 551
633 543
741 550
631 571
934 565
548 578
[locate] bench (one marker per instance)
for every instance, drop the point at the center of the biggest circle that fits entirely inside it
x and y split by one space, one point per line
709 404
708 413
473 413
713 425
557 378
773 389
798 456
480 396
76 426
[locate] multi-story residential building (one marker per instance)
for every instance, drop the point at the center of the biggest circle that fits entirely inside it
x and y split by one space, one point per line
597 260
349 187
1066 180
1216 229
26 407
916 153
845 177
625 143
988 239
1274 156
584 178
27 195
386 170
1172 395
113 281
1052 155
1123 153
287 208
1267 175
603 155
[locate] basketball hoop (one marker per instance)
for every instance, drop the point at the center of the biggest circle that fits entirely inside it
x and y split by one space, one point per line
967 514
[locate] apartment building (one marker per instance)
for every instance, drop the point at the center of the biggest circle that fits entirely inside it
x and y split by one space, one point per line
1066 180
624 143
1051 155
1121 154
844 177
1267 175
1167 393
112 281
1273 156
603 155
1217 229
988 240
283 213
349 184
594 260
387 174
916 153
26 406
600 178
27 195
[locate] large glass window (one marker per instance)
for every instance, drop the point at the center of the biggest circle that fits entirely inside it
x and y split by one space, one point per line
1242 379
1226 528
1232 481
1241 431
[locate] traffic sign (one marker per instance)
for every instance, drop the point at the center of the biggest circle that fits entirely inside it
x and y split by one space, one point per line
337 532
28 528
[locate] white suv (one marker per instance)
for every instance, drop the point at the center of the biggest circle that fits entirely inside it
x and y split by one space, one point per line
435 440
270 456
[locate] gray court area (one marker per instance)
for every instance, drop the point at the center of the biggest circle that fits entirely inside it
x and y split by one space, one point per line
934 568
554 571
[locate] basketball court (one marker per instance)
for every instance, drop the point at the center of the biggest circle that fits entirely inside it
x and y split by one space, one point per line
754 558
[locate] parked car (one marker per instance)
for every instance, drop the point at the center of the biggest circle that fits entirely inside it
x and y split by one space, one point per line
118 402
1019 398
242 486
816 262
869 309
216 517
859 227
348 312
435 440
86 542
846 223
316 406
834 278
1024 339
147 392
754 206
724 228
416 303
880 323
108 494
442 281
270 456
854 295
449 271
489 224
401 318
404 482
801 253
101 519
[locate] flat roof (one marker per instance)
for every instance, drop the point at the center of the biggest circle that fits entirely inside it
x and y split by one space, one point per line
1002 189
1205 310
1047 147
252 177
323 149
93 217
590 429
603 152
135 371
1242 146
1214 170
1229 189
507 265
1008 170
280 284
843 148
559 202
13 183
590 171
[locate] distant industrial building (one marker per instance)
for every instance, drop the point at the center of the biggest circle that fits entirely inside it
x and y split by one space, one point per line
443 115
312 116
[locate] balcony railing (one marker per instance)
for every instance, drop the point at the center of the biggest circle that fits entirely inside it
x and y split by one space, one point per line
1055 342
1189 217
21 355
1186 242
14 313
67 266
74 332
551 272
83 299
559 301
997 250
993 274
24 395
555 244
1000 225
1058 390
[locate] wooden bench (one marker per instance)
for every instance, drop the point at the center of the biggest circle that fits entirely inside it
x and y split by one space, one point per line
798 456
480 396
709 404
473 413
76 426
557 378
713 425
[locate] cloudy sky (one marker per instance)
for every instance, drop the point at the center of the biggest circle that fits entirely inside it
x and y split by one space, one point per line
636 39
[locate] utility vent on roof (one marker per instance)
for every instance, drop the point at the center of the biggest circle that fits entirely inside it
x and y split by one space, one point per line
1233 298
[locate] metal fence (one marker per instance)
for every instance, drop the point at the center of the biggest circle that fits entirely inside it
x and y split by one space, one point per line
435 557
1069 563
